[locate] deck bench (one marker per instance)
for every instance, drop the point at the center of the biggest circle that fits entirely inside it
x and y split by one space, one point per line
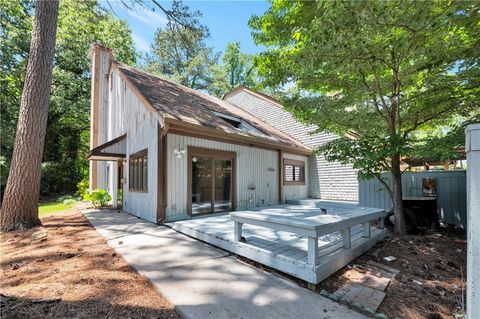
312 227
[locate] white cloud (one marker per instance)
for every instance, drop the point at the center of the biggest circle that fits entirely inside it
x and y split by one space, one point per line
148 17
140 43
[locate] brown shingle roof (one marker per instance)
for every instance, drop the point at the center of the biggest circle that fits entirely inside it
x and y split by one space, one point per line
178 102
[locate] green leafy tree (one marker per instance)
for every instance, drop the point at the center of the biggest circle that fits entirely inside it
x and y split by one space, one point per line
179 51
15 30
20 203
375 73
80 23
237 68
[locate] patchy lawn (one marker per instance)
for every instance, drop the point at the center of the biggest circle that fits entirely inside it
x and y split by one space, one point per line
65 269
429 284
46 209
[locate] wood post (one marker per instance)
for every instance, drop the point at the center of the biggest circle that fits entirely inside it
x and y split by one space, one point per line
312 250
366 229
381 223
281 193
237 231
347 237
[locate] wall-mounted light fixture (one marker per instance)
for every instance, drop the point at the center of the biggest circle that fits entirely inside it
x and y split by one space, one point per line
178 152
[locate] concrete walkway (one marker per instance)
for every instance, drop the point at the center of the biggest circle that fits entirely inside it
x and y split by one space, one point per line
205 282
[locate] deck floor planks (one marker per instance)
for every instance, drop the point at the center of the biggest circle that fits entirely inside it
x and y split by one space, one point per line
284 251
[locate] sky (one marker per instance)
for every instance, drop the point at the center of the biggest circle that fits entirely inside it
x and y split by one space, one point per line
226 20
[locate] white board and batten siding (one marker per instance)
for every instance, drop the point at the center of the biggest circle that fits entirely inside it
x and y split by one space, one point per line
127 114
297 191
255 168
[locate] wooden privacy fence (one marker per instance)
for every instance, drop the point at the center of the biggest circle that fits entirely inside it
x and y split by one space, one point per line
451 193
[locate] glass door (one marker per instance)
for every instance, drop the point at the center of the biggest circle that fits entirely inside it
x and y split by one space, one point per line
211 183
201 185
223 185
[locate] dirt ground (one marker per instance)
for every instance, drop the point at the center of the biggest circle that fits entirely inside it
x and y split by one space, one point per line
431 280
429 284
65 269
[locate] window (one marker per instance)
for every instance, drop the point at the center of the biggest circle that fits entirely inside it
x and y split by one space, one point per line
294 172
238 123
138 171
233 122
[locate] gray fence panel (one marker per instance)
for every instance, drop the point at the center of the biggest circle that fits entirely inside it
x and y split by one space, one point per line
451 193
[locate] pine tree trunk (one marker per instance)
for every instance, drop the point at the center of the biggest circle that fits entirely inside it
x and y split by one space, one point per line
20 203
397 197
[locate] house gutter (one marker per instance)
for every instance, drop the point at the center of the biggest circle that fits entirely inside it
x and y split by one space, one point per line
190 129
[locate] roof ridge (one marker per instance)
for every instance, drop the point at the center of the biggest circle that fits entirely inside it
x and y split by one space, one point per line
260 95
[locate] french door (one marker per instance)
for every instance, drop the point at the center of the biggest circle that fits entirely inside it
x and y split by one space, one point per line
211 181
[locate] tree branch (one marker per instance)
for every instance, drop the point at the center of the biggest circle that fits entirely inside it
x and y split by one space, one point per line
425 120
379 177
379 111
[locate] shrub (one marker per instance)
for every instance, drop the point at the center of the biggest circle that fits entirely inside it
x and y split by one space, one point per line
63 198
82 187
98 197
69 201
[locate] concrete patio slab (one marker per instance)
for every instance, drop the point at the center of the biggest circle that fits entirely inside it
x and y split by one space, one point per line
206 282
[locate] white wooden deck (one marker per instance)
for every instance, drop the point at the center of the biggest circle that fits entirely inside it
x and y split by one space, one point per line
286 251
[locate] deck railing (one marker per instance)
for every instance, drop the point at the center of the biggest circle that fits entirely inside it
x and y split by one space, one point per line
313 227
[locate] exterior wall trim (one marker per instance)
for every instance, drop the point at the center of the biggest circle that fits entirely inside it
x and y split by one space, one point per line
161 173
192 130
281 168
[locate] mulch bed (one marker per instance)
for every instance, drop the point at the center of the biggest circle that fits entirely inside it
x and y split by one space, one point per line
65 269
432 274
431 280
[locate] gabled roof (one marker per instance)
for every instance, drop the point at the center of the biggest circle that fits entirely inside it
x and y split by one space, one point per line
178 103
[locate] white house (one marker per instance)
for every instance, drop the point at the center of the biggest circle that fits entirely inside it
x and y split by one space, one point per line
176 152
327 180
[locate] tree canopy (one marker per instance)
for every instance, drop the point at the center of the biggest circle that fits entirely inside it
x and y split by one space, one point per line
180 53
235 68
80 23
363 65
374 72
239 66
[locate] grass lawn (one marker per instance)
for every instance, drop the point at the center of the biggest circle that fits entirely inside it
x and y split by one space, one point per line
45 209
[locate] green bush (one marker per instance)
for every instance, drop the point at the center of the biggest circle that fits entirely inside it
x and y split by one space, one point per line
82 187
98 197
63 198
69 201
